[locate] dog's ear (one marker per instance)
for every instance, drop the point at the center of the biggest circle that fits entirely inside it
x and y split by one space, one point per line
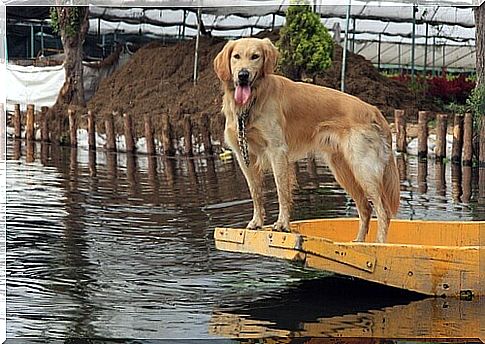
222 62
270 56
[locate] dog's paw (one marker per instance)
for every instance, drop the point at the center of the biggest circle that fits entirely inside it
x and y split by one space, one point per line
255 225
281 227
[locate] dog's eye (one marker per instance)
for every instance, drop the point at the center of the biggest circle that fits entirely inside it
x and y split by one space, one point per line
254 57
237 57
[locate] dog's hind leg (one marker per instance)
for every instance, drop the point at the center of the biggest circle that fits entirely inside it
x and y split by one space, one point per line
344 176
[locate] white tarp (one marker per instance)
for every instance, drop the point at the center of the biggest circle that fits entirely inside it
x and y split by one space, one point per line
33 85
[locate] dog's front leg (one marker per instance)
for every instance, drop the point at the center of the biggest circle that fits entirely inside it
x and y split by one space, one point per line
283 174
254 178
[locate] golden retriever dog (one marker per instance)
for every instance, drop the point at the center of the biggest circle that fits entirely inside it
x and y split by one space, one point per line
271 122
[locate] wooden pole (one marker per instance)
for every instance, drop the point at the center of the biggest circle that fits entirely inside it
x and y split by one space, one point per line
110 133
149 134
467 184
72 127
129 138
167 142
441 122
481 157
44 124
468 140
457 139
29 125
423 134
188 136
422 176
400 122
17 121
91 130
206 135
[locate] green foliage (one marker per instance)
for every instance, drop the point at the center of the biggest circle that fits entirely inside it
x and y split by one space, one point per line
70 21
305 44
476 103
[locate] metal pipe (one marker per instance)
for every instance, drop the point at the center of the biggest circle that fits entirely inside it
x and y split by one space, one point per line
379 53
434 55
344 53
197 46
183 24
425 51
42 38
353 35
32 41
399 57
444 62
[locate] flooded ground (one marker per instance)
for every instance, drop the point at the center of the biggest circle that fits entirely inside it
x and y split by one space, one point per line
121 246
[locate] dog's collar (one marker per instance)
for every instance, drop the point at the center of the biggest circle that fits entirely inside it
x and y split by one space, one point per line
242 121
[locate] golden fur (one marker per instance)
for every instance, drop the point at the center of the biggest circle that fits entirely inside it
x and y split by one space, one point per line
290 120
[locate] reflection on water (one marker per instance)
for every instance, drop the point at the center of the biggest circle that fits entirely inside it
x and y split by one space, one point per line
111 245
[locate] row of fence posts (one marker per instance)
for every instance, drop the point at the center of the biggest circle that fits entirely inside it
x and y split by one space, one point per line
167 139
462 145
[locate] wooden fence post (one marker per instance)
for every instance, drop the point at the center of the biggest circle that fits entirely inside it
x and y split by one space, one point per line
167 142
468 139
72 127
91 130
206 135
457 147
149 134
110 132
29 124
129 138
423 134
44 124
17 121
400 123
188 136
441 125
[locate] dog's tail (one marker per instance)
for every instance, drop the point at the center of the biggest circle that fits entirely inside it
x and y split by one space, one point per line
391 185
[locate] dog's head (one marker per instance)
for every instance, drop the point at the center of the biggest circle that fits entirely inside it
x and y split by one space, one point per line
243 62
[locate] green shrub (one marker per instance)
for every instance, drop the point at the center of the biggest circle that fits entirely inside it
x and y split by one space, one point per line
305 44
476 104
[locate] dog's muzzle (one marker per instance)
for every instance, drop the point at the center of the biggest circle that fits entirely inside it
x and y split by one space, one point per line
243 77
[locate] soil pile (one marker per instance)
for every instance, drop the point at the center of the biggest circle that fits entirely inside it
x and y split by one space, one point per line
158 80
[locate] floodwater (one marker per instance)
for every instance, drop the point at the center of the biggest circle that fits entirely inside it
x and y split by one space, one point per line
120 246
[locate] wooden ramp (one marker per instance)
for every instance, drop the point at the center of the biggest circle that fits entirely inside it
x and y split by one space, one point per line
439 258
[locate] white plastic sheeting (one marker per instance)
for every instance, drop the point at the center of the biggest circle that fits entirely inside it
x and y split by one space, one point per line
450 29
33 85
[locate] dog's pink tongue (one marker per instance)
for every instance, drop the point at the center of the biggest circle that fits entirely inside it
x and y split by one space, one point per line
242 94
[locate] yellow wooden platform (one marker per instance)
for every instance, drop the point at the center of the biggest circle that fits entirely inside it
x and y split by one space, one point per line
440 258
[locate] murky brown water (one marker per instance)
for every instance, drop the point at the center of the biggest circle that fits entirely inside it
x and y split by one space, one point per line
123 249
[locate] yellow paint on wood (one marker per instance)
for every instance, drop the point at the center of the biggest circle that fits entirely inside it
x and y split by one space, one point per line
449 267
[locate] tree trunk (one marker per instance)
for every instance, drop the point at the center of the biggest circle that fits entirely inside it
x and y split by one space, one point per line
480 43
72 35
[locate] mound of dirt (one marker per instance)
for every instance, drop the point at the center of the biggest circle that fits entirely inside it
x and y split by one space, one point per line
158 80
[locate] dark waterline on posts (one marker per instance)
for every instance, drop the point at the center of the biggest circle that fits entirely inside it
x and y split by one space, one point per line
112 245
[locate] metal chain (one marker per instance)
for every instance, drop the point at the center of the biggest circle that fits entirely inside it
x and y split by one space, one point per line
242 119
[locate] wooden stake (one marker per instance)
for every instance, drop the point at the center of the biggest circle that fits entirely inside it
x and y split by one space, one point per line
457 139
422 176
149 134
72 127
188 136
129 137
17 121
91 130
167 142
423 134
29 125
468 140
110 133
44 124
441 124
400 122
206 135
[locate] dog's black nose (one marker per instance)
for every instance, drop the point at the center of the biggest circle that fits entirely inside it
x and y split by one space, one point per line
243 76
